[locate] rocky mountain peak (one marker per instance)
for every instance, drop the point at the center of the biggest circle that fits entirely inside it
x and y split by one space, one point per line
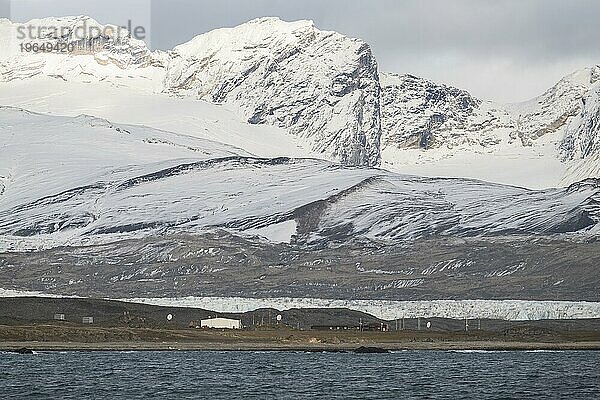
584 77
417 112
261 35
569 108
321 86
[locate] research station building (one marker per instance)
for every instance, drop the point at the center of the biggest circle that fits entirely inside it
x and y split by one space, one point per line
221 323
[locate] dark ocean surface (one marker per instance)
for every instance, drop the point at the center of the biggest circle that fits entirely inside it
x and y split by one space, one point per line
293 375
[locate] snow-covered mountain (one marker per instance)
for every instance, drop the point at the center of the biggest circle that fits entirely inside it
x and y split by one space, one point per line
106 45
93 208
321 85
582 137
70 181
246 156
420 113
322 88
439 130
417 113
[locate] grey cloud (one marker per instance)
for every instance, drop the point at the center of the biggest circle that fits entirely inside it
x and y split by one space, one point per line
533 29
506 50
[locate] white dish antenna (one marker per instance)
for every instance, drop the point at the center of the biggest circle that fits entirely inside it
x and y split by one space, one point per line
169 317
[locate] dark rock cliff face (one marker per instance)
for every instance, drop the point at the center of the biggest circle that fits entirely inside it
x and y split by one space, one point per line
582 138
415 111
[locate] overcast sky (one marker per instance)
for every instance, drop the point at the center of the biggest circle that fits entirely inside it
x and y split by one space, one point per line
507 50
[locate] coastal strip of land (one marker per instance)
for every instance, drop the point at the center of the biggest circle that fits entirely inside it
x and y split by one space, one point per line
41 324
69 337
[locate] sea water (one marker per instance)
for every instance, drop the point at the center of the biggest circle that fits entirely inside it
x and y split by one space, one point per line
293 375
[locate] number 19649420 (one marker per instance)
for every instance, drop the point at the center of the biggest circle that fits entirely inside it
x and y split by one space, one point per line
47 47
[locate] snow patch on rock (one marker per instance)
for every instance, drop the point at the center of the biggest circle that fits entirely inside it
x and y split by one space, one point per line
281 232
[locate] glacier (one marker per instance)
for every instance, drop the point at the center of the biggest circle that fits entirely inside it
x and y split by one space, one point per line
512 310
509 310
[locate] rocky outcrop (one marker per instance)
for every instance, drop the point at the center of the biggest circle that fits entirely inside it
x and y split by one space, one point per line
582 137
561 109
370 350
419 113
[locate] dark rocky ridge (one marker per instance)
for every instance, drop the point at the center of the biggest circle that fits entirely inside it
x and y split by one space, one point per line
527 268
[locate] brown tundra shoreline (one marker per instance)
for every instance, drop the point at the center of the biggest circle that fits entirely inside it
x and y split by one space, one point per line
51 337
32 323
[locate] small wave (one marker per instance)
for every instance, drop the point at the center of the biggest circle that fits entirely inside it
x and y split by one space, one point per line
544 351
474 351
